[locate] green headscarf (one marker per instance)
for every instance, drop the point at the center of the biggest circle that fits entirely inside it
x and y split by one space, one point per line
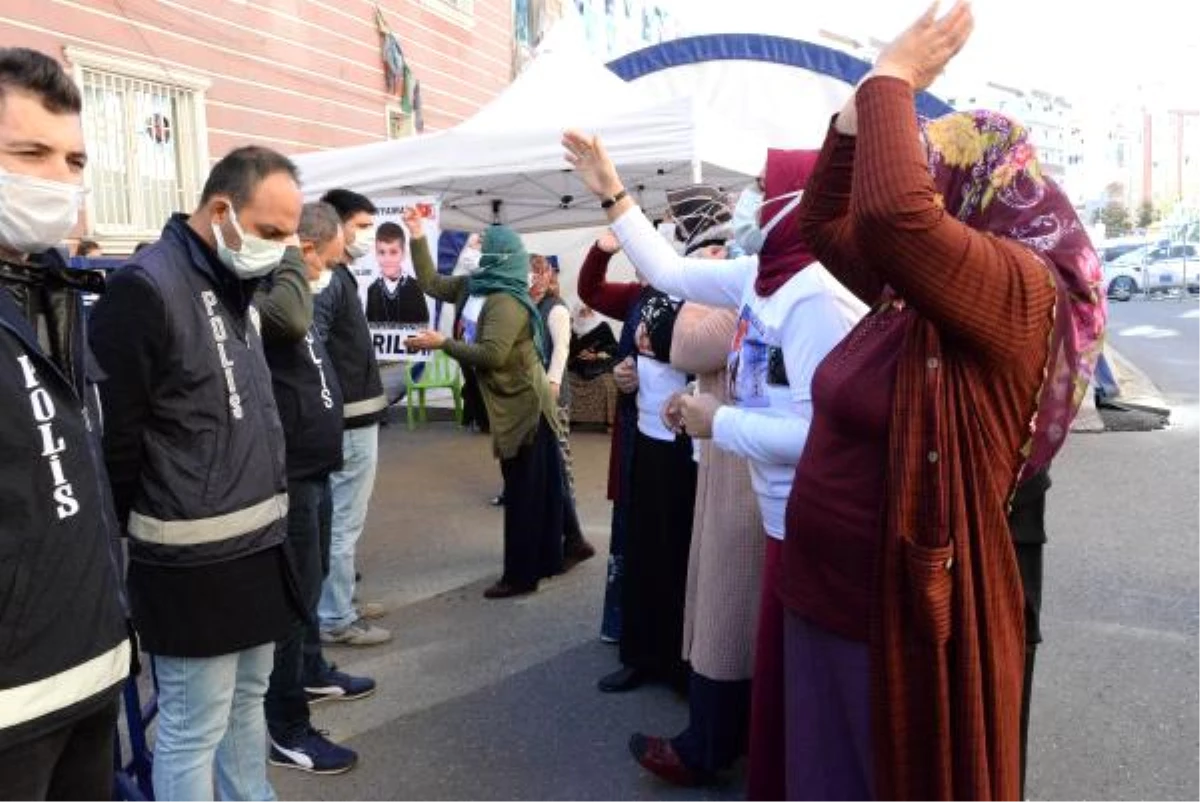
504 267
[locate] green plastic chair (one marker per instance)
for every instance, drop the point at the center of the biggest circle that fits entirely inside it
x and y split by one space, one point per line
441 373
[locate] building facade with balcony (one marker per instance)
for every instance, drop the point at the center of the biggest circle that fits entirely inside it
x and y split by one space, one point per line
170 86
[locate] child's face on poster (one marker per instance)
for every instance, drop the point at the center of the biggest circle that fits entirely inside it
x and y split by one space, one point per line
390 258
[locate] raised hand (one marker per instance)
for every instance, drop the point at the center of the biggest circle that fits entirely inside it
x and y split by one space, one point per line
608 242
586 154
921 52
412 221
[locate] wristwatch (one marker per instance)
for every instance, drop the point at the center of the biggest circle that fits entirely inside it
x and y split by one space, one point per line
608 203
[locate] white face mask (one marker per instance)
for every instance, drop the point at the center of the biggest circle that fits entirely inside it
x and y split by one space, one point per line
257 257
36 214
468 260
322 281
364 241
746 231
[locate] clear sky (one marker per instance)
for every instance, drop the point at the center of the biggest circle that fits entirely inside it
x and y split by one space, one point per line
1085 50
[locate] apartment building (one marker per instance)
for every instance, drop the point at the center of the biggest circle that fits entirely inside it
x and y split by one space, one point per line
171 85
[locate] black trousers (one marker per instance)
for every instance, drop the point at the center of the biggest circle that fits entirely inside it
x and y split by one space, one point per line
1027 526
286 703
719 724
533 510
656 556
74 761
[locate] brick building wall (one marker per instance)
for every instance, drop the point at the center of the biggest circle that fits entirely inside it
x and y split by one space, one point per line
171 85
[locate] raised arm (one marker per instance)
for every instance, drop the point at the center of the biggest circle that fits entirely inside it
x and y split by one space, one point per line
609 298
501 321
432 283
825 222
993 292
715 282
696 280
702 336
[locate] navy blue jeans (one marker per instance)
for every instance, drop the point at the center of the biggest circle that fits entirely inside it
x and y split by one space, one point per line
298 656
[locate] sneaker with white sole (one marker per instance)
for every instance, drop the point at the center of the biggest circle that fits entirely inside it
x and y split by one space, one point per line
358 633
337 686
312 752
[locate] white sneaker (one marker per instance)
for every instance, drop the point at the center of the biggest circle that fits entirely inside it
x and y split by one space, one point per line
358 633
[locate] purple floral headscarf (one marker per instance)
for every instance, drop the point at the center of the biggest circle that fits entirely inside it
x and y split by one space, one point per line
988 176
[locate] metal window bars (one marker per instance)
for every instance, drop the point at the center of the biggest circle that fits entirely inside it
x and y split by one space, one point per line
142 142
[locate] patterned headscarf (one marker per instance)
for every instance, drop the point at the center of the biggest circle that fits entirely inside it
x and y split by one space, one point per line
988 176
702 216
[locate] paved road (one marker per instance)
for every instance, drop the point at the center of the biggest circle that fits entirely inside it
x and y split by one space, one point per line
1161 337
496 699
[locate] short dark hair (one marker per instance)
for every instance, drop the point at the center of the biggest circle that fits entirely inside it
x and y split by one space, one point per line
319 223
348 203
242 170
389 232
25 70
86 246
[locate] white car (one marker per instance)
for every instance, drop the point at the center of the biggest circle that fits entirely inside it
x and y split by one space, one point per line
1153 268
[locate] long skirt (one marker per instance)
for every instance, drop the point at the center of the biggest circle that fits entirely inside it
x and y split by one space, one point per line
533 510
828 741
765 773
656 556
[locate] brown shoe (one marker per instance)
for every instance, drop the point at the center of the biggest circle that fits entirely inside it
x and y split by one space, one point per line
576 552
503 590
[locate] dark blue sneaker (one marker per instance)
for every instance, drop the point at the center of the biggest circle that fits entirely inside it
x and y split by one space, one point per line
336 686
313 753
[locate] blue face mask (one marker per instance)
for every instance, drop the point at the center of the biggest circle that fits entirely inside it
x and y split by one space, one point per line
746 231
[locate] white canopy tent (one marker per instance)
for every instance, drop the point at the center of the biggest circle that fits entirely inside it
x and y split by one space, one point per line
506 164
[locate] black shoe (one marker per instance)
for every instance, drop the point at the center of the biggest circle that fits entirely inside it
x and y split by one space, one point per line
622 680
506 590
575 552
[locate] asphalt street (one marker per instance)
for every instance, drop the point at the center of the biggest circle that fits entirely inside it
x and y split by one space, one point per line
491 700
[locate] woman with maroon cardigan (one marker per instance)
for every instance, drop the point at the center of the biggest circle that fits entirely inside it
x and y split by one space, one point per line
904 631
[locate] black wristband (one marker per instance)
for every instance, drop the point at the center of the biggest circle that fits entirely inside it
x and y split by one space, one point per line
608 203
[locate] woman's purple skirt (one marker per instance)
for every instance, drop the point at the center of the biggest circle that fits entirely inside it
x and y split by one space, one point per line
828 742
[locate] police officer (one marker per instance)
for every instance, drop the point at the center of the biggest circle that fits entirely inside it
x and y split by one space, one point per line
62 625
196 454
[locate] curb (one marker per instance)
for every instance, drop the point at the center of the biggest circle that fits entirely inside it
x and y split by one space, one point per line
1138 392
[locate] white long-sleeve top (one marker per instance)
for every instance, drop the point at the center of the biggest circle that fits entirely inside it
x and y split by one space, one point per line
558 323
797 325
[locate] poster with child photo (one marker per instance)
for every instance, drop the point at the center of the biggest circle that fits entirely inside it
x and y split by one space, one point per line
387 283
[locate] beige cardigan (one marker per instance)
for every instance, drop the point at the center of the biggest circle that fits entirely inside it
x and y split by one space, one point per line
725 565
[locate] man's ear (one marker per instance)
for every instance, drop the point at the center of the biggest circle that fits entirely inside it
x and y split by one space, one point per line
219 209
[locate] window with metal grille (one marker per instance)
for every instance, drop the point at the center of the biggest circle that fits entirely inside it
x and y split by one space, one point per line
147 144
